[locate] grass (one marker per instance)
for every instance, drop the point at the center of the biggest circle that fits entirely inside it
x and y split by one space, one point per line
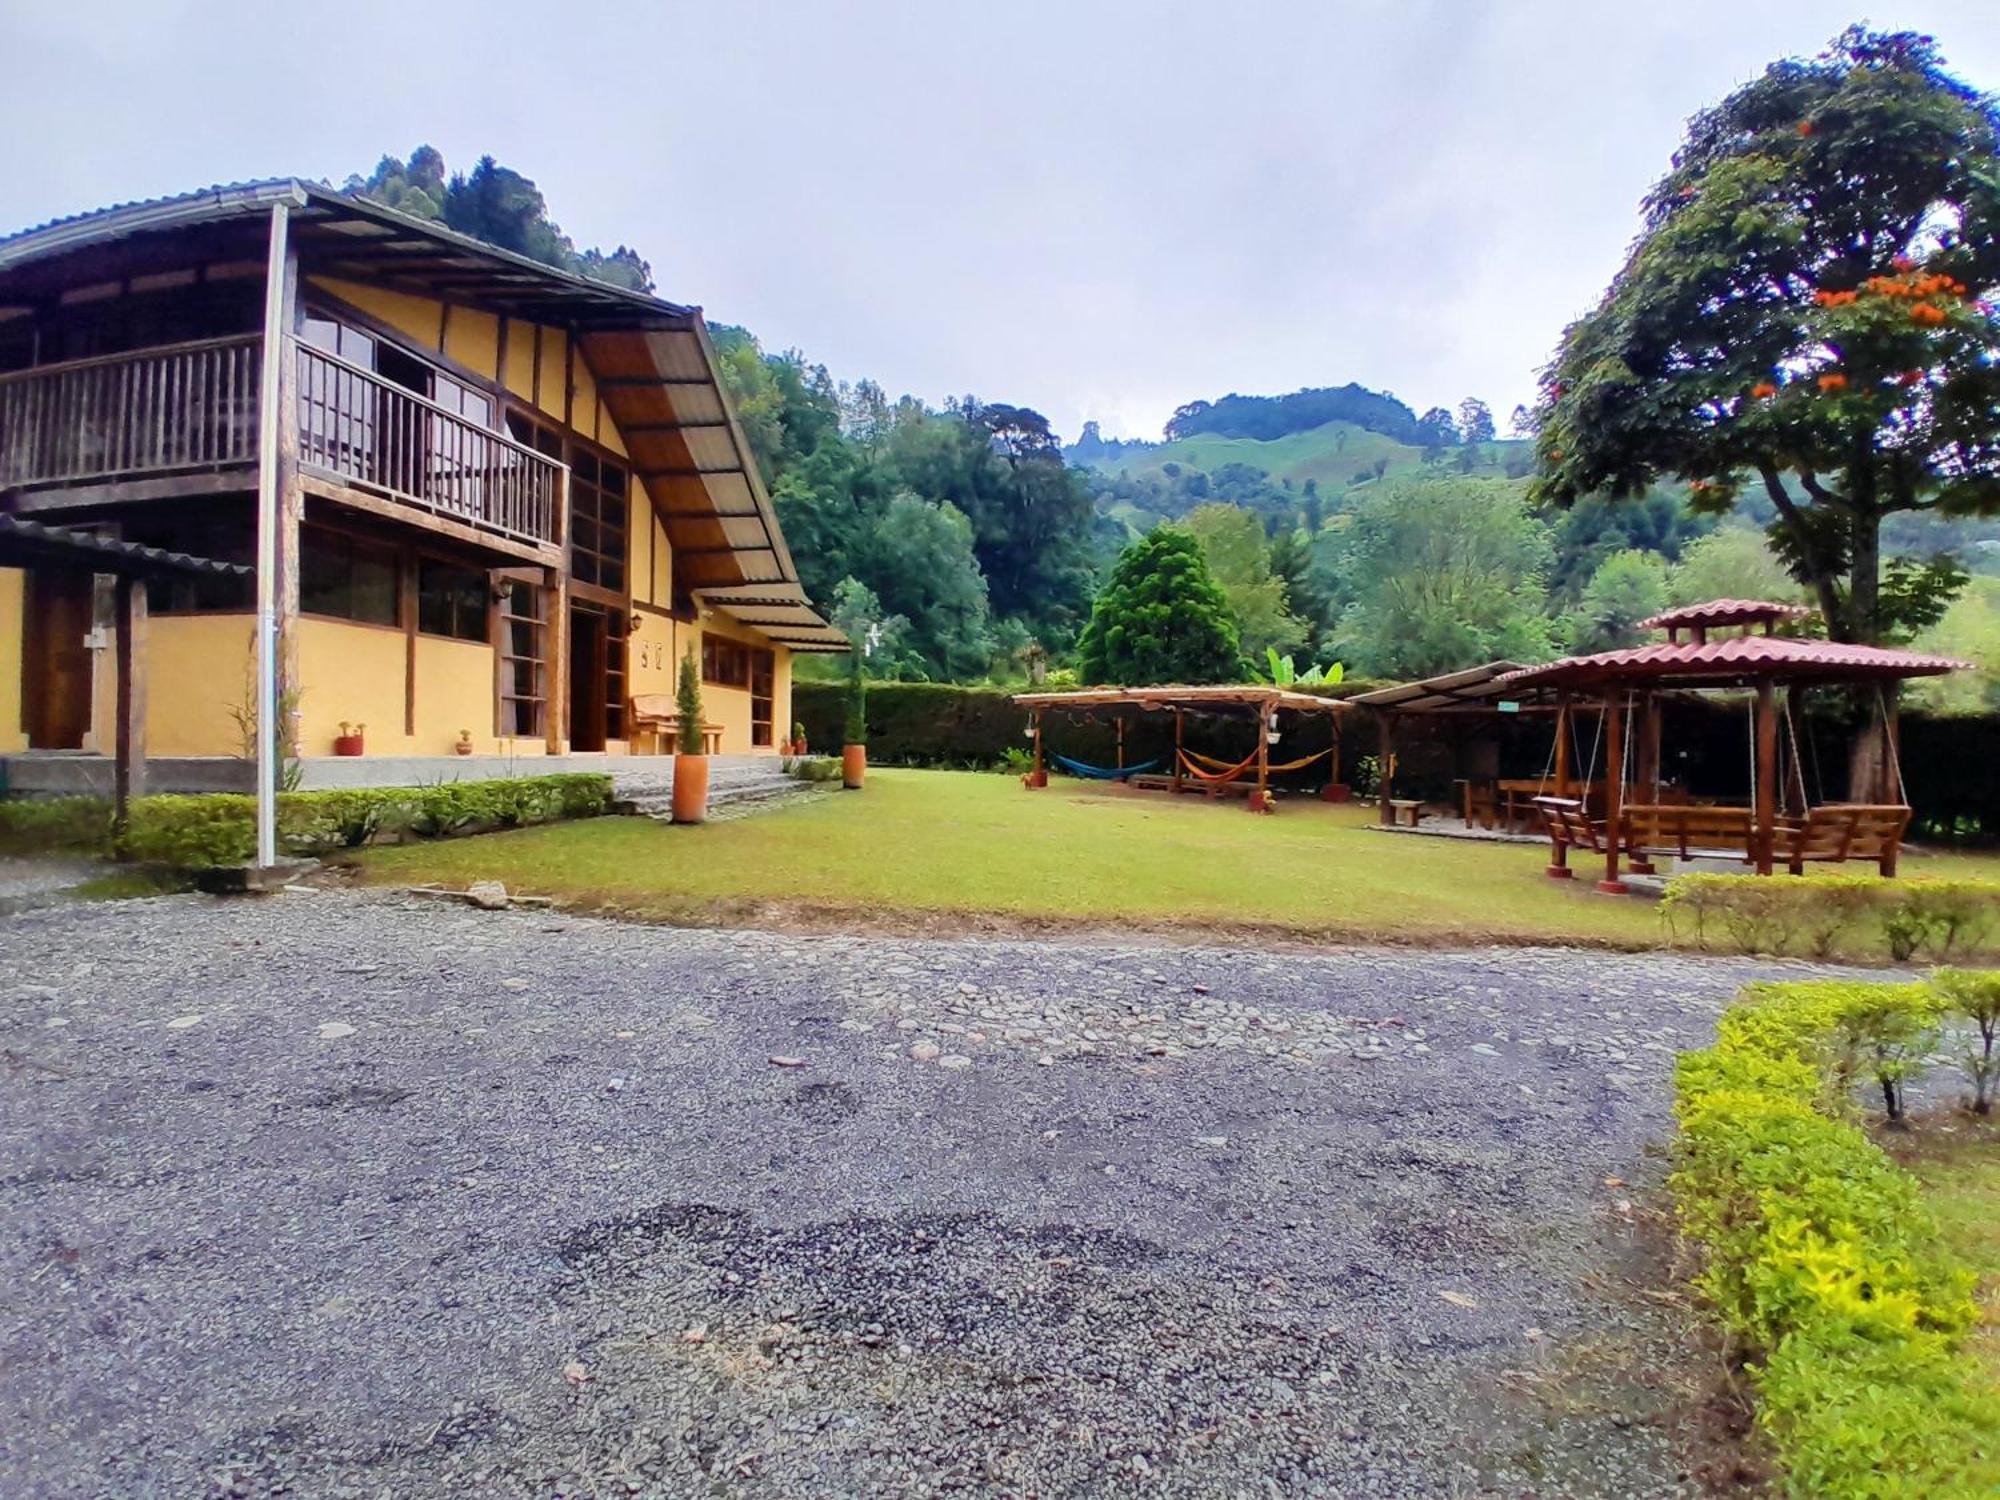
939 844
1957 1158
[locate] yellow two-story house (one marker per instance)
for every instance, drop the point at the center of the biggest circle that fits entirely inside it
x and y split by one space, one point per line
503 500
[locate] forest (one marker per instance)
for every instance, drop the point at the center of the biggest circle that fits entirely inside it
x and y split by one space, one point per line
1332 524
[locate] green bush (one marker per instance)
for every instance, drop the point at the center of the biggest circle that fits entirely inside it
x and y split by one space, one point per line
205 831
1820 1257
1821 916
40 825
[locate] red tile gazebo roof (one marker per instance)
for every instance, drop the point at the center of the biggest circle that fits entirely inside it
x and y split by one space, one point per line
1733 662
1718 613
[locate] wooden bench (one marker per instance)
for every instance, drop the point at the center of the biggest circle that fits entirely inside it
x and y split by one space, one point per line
658 715
1838 832
1408 811
1569 823
1687 830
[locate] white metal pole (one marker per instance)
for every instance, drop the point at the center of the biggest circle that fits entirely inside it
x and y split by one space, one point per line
269 731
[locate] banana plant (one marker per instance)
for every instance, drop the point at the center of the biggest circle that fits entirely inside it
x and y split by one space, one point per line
1284 672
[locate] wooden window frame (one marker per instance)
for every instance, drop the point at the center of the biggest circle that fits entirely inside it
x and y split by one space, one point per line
506 659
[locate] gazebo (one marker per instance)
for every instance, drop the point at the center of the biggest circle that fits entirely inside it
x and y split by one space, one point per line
1257 703
1640 820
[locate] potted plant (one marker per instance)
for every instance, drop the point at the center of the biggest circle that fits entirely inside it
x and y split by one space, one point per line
464 745
348 741
690 764
854 753
799 740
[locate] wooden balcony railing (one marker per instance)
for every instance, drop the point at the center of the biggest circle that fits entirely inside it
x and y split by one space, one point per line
185 408
175 408
383 436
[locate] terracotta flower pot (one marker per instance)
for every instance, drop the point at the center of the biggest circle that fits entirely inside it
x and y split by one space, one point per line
853 765
690 788
347 744
1337 791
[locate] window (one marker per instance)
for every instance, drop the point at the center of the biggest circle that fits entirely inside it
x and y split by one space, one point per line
451 600
614 676
523 686
347 579
200 593
724 662
763 675
597 490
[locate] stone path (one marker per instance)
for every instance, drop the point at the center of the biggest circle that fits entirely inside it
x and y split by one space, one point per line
344 1194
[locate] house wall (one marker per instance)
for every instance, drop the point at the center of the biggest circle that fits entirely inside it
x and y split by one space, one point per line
199 673
13 588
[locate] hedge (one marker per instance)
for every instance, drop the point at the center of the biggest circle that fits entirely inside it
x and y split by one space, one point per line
1823 916
1820 1257
197 832
940 724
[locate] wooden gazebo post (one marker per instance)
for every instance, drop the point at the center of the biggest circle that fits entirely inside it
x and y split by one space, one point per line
1178 726
129 771
1614 777
1119 722
1562 745
1386 769
1038 777
1267 716
1766 814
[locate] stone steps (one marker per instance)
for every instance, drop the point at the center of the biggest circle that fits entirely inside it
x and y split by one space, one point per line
732 792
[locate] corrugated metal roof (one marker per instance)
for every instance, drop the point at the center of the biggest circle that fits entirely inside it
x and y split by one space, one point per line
1720 612
1734 660
1471 687
23 542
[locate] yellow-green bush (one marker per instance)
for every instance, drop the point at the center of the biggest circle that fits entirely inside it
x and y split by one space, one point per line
201 832
1820 1257
1824 916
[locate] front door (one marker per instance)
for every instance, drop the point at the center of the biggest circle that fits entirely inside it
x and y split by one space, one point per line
588 642
55 664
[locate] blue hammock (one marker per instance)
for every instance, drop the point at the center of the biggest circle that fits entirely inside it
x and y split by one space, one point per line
1100 773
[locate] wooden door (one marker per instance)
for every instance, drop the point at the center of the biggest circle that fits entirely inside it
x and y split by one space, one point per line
587 650
56 664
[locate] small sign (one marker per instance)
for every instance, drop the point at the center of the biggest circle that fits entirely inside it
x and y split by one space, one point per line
1507 706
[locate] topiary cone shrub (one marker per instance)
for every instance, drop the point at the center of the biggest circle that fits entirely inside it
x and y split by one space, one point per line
690 763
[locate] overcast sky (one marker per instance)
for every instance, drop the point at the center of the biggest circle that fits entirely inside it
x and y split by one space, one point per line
1099 210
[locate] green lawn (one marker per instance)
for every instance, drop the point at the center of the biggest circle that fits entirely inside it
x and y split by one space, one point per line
1960 1171
927 843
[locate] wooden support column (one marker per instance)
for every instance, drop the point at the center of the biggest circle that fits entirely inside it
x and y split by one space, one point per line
1892 771
130 775
1120 723
1766 815
1261 800
1038 777
1385 778
1562 746
555 598
1646 780
1179 726
1614 777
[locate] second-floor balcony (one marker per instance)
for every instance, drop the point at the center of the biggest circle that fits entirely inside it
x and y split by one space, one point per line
192 409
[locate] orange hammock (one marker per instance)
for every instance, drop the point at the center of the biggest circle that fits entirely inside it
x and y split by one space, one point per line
1230 773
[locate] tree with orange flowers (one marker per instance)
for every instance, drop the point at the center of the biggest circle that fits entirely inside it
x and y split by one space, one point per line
1812 306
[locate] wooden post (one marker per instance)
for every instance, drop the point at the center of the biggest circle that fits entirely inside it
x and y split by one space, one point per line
1261 801
1385 780
1178 728
1892 774
1038 777
130 777
1120 722
1647 779
555 641
1614 777
1767 776
1562 745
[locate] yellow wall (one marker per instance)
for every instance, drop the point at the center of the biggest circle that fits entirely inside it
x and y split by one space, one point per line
13 732
352 673
730 707
198 670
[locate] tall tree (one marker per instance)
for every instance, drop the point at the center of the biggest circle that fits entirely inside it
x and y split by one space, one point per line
1436 428
1160 619
1440 572
1475 421
1239 560
1808 307
1627 587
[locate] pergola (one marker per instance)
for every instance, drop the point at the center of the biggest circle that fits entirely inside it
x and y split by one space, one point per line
1259 703
35 547
1631 684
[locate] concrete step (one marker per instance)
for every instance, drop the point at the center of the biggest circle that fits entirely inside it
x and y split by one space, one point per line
734 794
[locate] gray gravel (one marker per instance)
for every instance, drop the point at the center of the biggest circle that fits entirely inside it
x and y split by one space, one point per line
345 1194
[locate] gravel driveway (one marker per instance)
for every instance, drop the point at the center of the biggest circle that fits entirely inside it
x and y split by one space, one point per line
332 1194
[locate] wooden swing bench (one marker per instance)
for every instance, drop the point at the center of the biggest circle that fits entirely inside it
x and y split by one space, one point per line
1834 833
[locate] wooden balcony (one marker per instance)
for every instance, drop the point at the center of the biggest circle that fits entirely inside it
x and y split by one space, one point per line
170 417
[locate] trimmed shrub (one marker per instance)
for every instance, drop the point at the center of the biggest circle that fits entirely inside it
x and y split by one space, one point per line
1820 916
39 825
200 832
1820 1257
